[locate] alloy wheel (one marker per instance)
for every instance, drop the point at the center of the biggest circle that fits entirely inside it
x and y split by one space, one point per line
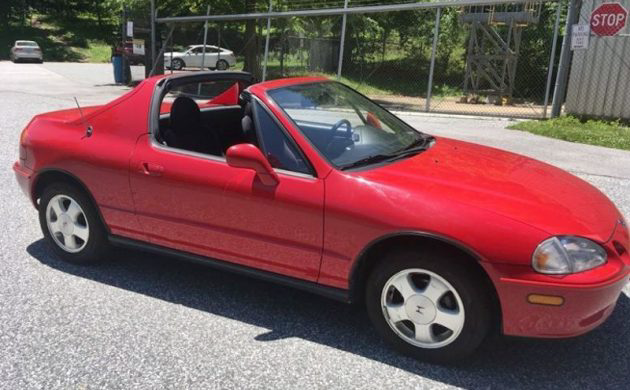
222 65
67 223
177 64
422 308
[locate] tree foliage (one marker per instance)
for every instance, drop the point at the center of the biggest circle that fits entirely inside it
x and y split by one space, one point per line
393 44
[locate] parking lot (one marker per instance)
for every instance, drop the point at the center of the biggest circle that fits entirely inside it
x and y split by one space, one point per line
141 321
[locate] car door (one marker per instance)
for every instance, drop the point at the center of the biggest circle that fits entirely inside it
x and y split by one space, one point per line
211 57
197 203
192 57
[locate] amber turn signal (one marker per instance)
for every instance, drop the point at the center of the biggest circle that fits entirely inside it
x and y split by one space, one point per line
545 299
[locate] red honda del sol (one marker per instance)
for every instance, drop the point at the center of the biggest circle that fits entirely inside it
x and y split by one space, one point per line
306 182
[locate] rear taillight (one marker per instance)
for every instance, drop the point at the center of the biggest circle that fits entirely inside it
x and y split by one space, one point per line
18 49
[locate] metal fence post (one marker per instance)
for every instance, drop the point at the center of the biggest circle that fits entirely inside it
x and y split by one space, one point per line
205 40
264 74
161 53
218 42
436 31
563 66
154 57
552 58
342 41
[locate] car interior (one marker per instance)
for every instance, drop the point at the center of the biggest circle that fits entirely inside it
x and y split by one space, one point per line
341 124
195 120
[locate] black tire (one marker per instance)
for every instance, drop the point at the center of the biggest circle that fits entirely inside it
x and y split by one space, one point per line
464 278
178 64
96 246
222 65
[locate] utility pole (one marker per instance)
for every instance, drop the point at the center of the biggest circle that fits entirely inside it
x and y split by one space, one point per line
565 59
205 40
552 59
342 41
436 32
154 57
264 75
125 62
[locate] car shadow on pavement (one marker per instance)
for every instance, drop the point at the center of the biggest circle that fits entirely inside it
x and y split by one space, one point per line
597 358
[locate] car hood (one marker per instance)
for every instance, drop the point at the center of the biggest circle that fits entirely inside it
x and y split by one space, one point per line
175 54
515 186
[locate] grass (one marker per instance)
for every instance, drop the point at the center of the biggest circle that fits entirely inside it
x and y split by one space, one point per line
397 75
77 40
96 51
611 134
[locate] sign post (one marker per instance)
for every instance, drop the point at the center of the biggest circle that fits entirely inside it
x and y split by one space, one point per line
608 19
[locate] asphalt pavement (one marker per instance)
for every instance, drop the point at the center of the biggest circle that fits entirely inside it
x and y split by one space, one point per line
147 322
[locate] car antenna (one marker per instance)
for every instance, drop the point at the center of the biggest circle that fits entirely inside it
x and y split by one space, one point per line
88 128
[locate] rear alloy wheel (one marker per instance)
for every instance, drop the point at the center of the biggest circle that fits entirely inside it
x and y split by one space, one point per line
428 306
222 65
71 224
67 223
178 64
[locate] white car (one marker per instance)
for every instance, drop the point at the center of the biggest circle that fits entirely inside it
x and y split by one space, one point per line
215 58
26 50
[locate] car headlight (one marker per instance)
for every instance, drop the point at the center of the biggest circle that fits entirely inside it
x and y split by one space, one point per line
567 255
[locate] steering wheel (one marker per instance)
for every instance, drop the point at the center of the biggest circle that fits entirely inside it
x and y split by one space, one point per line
336 126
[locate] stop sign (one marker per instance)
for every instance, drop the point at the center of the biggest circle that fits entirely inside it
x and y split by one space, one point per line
608 19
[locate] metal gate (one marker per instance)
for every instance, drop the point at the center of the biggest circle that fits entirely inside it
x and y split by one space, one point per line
475 57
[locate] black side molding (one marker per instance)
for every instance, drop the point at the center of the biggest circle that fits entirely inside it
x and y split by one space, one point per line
315 288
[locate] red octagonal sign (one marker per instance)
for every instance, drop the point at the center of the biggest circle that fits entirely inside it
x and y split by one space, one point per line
608 19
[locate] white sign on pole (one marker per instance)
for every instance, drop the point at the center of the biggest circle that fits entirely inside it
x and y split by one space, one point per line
130 28
580 34
138 46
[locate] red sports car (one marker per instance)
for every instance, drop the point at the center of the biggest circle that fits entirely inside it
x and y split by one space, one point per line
308 183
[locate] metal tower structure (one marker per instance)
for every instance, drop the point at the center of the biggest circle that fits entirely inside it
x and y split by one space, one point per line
493 48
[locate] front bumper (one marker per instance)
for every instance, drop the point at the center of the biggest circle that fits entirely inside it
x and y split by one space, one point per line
589 297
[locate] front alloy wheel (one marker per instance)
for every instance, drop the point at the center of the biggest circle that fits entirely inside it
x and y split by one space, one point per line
422 308
431 304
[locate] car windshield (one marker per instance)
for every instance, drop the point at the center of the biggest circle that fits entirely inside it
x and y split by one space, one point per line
26 43
346 127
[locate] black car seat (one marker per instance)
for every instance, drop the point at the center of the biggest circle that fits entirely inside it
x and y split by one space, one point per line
247 124
187 130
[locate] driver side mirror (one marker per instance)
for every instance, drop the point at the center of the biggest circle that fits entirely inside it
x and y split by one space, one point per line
249 156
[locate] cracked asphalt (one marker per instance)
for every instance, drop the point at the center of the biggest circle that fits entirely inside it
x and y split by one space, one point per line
146 322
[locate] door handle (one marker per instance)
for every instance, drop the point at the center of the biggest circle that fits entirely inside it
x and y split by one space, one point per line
151 169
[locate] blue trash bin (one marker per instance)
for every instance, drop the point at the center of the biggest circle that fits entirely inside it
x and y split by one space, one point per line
117 62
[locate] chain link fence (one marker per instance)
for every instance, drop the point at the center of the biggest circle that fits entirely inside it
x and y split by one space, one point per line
494 60
599 81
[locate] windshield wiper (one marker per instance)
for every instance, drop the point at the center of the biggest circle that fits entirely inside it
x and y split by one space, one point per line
418 144
368 160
